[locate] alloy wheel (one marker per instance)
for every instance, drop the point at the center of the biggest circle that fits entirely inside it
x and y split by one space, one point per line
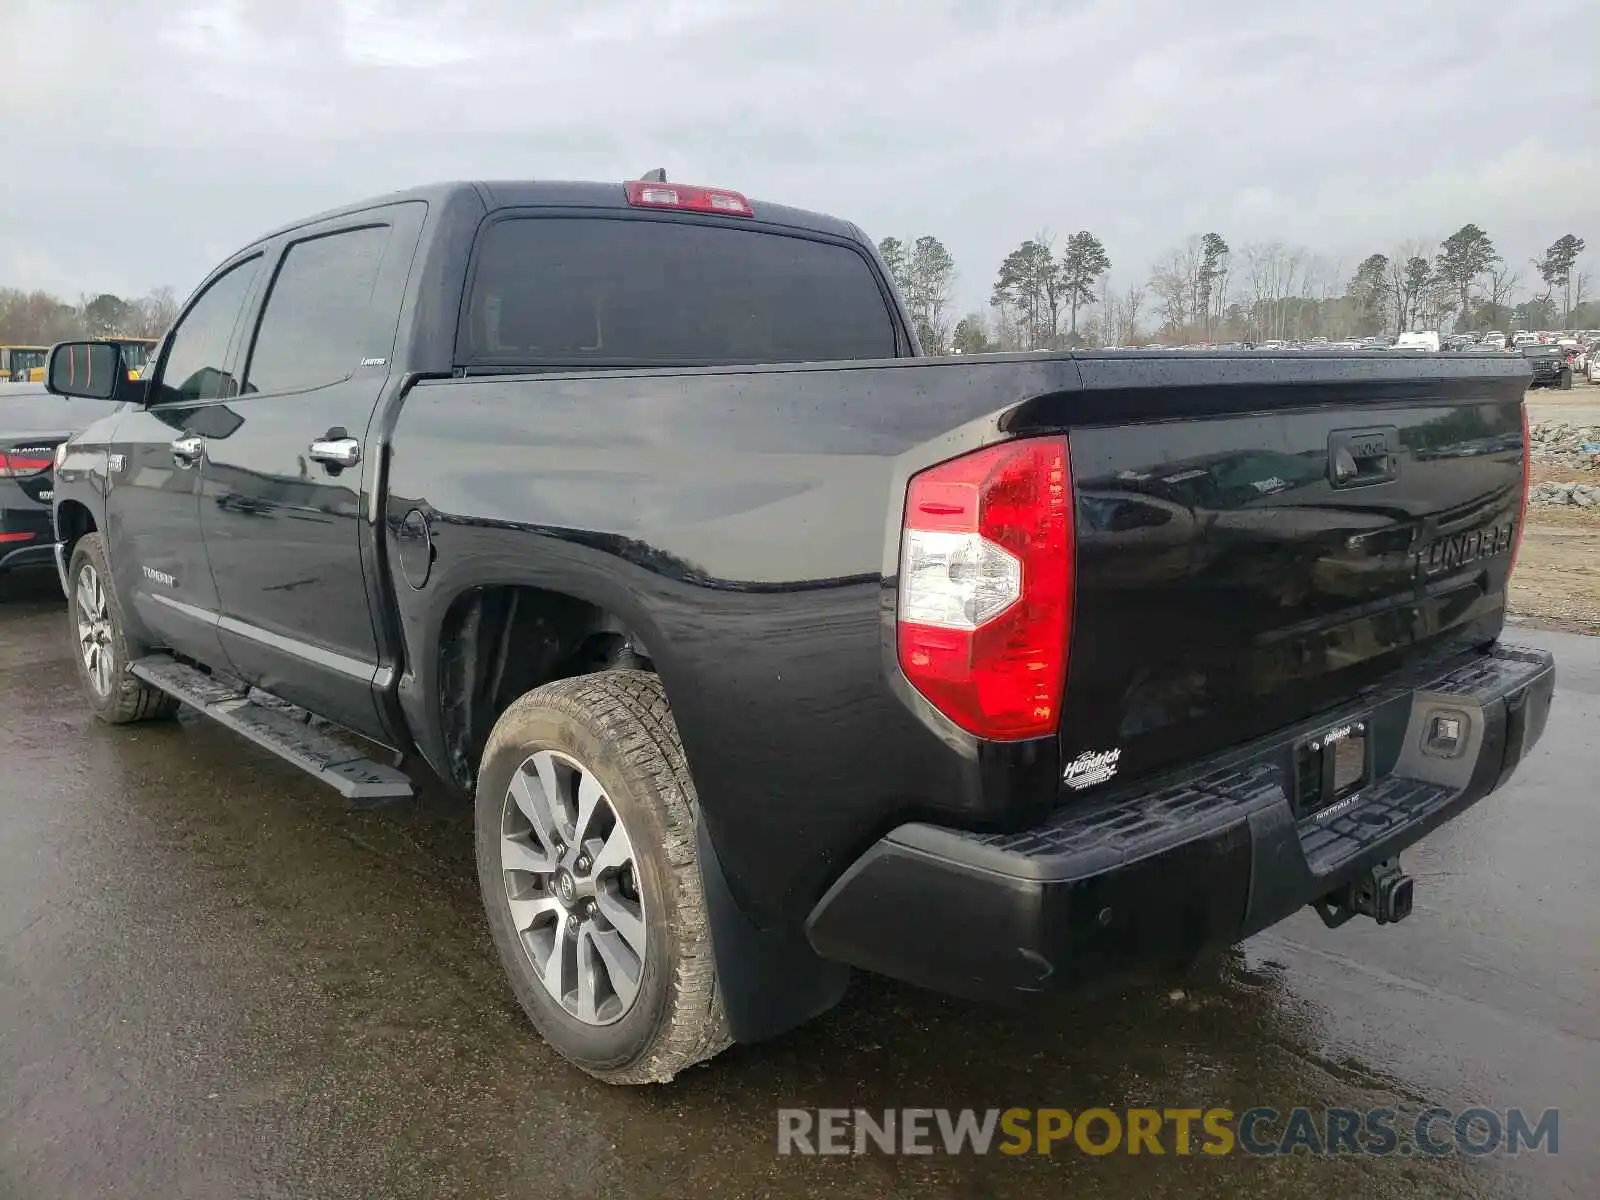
94 630
572 886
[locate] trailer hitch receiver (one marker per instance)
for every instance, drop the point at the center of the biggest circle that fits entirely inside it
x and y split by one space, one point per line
1382 892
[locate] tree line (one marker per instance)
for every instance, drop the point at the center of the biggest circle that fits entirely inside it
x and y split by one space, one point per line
39 319
1057 295
1050 295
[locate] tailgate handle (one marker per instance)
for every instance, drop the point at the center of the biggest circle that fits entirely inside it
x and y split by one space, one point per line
1357 457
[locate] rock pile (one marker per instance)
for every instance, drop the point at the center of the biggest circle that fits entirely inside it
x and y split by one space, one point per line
1584 495
1570 445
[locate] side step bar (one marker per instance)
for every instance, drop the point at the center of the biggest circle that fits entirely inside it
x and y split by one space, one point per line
341 767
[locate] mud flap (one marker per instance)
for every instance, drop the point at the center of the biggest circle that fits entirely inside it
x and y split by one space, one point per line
771 980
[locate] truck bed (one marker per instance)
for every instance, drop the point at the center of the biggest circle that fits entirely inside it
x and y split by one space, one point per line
745 522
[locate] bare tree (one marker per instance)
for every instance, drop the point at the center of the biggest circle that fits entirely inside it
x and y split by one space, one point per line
1171 288
1504 281
1010 326
1108 318
1128 317
154 313
36 319
1273 273
1408 281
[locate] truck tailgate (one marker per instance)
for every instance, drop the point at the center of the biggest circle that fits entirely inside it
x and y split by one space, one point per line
1242 569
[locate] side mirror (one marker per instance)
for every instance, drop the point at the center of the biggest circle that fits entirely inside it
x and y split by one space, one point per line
85 370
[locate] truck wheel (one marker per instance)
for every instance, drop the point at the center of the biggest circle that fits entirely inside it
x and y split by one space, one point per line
591 880
100 637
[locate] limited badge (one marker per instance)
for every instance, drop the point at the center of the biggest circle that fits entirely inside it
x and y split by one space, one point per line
1091 767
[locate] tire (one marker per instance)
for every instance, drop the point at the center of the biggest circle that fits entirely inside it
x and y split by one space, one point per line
614 728
115 693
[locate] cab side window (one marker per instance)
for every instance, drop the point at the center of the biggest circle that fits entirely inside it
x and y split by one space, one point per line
318 314
196 365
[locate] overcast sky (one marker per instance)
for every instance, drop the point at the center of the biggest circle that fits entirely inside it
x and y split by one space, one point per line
146 139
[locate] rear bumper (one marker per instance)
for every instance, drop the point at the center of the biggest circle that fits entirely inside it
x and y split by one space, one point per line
25 533
27 555
1195 861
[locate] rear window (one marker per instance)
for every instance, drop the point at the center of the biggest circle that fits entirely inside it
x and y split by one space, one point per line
575 292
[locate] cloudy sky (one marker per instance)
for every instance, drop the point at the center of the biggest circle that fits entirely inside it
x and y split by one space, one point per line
145 139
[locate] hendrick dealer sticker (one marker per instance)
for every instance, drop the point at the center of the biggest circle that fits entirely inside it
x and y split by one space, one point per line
1091 767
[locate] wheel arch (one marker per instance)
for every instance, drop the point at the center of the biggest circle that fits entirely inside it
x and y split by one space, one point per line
495 641
772 980
72 521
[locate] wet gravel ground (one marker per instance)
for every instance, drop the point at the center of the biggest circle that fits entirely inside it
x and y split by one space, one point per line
216 980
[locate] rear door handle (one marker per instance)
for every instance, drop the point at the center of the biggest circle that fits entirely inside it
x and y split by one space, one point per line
186 451
337 452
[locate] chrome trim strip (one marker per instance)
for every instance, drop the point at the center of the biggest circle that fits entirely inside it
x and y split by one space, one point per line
330 660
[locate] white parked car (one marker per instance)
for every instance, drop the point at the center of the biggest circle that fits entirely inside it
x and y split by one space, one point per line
1426 341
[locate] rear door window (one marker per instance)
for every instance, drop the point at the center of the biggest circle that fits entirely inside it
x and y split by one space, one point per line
316 320
569 293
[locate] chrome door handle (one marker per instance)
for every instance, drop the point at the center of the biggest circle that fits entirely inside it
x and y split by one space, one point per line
186 451
337 452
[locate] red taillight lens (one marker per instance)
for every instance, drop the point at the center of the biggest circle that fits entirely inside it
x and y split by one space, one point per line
688 197
985 604
17 466
1522 505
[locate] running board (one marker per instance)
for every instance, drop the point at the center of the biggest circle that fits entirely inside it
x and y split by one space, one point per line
341 767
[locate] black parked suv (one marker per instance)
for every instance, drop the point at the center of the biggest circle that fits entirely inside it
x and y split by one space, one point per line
1550 366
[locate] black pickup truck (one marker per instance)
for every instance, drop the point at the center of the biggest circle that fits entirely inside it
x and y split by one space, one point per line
770 647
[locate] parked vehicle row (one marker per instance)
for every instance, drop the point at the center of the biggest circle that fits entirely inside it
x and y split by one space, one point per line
1576 346
768 648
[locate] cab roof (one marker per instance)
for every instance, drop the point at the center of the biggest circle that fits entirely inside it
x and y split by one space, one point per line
499 194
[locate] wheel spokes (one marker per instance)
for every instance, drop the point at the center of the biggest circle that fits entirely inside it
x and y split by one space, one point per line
623 967
554 978
525 912
616 853
86 588
533 794
520 852
588 965
625 918
589 796
571 889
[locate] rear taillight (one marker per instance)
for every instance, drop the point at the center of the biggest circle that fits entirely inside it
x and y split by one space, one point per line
1522 502
17 466
985 604
688 197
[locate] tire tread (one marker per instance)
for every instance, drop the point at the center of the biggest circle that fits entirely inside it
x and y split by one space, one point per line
628 709
132 699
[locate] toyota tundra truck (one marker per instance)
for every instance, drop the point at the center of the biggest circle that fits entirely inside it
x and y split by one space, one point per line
767 647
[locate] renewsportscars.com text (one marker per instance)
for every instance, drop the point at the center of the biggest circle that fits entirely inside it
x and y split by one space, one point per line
1433 1132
